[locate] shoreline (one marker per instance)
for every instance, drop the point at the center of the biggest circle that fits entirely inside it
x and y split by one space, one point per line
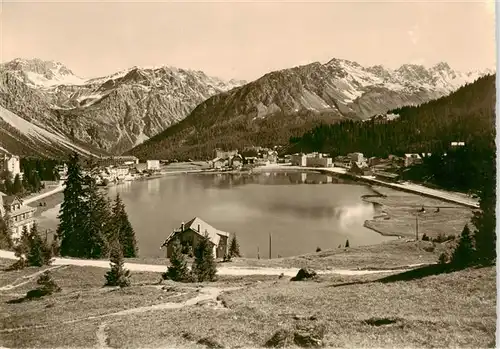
380 218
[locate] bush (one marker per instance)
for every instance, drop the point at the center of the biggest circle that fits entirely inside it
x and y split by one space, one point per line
318 249
425 237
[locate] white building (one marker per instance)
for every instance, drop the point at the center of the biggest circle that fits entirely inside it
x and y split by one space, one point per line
317 160
19 215
153 165
12 164
412 159
356 157
298 160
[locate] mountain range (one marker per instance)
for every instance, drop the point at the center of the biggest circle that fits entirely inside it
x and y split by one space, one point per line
164 112
111 113
287 103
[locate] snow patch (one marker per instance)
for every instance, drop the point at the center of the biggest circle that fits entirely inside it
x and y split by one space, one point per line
37 133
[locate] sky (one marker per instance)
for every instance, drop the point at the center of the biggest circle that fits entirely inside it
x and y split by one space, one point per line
245 40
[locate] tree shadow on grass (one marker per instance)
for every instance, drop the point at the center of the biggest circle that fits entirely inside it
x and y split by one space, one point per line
413 274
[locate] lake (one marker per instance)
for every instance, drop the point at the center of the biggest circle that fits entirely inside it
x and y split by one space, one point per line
301 211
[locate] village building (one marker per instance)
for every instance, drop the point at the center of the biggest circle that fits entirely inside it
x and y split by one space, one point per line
412 159
360 169
190 233
222 154
153 165
217 163
298 160
342 161
249 160
118 160
19 215
318 160
12 163
356 157
236 162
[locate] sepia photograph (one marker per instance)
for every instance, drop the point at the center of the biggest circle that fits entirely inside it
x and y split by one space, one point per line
248 174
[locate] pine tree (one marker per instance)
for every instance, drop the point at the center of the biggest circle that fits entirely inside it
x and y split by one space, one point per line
204 267
347 243
123 229
463 255
485 219
118 275
234 248
6 242
8 184
54 246
21 248
178 269
17 186
35 254
72 212
96 224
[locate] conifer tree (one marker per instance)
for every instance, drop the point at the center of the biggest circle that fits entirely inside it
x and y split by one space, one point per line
485 219
35 254
72 212
54 246
204 267
96 224
178 269
6 242
234 248
463 255
123 229
347 243
118 275
17 186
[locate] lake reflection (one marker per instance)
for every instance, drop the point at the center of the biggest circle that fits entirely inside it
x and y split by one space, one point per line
299 216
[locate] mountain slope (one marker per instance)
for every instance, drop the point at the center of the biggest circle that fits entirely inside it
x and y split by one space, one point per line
21 137
288 102
113 113
465 115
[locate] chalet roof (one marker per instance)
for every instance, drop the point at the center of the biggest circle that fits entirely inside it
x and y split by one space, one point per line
204 227
201 227
10 199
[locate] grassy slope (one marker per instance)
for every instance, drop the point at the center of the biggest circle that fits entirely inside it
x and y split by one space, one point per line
447 310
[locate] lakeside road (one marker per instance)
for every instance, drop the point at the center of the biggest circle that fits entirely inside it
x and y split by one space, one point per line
221 270
34 198
457 198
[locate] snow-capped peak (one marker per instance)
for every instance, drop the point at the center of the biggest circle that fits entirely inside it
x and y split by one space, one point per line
39 73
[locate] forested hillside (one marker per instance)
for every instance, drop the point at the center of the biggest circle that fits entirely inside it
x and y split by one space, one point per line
466 115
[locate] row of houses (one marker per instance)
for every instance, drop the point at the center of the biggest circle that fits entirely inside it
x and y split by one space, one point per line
235 160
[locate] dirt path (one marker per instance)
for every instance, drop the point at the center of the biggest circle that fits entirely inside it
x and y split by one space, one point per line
205 294
28 278
221 270
102 337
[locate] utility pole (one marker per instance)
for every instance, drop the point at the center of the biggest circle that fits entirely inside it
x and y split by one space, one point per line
258 254
416 227
270 244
